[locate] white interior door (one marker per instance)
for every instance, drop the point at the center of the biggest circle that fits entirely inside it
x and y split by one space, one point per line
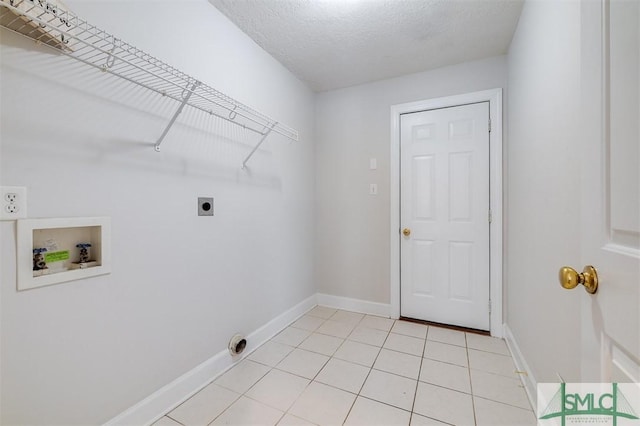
610 212
444 203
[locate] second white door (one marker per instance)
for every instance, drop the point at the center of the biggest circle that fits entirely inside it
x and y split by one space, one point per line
444 215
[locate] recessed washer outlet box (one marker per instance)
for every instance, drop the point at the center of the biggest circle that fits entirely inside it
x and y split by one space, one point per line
205 206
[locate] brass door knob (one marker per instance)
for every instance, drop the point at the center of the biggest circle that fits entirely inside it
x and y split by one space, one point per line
406 232
570 278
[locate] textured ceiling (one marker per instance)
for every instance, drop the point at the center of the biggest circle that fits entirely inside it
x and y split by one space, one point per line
332 44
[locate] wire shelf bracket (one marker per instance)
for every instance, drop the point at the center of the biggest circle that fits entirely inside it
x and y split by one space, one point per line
185 98
50 24
255 148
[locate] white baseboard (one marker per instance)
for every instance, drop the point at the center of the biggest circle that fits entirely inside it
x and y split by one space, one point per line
276 325
355 305
175 393
528 380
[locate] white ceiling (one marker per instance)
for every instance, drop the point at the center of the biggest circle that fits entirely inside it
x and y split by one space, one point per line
332 44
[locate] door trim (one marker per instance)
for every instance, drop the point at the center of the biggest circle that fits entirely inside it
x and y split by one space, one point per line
494 97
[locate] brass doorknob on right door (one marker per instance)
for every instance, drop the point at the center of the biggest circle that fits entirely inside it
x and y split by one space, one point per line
406 232
570 278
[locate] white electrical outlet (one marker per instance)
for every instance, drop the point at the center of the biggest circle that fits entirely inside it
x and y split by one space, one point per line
14 202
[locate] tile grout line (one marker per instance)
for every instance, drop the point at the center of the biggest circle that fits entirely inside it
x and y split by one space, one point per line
473 401
368 374
502 403
225 410
365 379
321 368
415 393
168 416
310 380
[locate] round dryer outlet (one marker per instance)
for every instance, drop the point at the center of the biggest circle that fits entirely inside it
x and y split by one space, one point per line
237 344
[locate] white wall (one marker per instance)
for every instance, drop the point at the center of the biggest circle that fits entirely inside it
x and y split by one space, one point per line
543 217
353 125
82 143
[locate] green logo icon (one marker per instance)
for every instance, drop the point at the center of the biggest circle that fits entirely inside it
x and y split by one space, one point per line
565 404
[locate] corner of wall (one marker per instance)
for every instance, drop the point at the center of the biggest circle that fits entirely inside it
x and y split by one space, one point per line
355 305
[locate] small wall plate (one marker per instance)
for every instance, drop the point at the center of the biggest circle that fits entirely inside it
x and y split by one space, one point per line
205 206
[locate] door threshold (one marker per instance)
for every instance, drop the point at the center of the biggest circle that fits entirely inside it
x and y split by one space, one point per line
449 326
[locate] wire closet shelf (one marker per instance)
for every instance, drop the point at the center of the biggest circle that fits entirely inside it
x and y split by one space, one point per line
51 25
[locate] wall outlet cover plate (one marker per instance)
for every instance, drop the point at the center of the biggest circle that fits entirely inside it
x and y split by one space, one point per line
13 202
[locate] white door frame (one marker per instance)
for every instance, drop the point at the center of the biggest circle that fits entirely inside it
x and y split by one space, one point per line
494 97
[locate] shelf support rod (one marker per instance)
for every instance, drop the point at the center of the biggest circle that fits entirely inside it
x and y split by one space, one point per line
255 148
185 99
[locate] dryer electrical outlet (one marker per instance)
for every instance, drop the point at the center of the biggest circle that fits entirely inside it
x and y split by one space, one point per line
14 202
205 206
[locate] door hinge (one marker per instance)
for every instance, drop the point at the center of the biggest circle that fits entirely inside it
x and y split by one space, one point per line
490 216
489 124
489 305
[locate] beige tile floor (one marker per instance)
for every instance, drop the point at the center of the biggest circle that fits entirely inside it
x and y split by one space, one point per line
333 367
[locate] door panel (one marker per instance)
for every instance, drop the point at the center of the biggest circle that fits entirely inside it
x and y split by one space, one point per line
444 175
422 272
460 270
624 119
460 196
610 211
424 184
